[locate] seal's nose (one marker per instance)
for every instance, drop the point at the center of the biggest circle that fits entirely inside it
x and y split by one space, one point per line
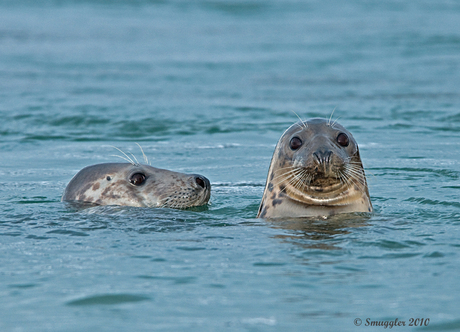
202 181
322 156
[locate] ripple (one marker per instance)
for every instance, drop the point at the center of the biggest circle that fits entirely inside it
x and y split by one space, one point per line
437 172
11 234
67 232
22 286
427 201
36 237
191 248
391 244
391 256
434 254
108 299
237 7
175 280
268 264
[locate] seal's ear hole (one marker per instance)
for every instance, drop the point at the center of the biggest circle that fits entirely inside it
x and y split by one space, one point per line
137 179
295 143
343 139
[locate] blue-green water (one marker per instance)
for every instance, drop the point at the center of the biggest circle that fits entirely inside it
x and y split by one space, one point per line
208 87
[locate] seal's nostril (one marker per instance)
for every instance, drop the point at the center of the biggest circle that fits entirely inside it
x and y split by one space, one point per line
323 156
199 181
328 156
317 157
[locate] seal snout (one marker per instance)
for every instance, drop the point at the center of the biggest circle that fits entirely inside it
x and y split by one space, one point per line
323 160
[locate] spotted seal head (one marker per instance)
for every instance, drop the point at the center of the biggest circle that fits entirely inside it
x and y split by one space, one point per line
137 185
315 171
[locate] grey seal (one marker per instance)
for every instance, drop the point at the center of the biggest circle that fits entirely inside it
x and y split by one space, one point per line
316 170
133 184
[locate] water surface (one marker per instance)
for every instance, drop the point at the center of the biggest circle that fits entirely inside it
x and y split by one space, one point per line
208 87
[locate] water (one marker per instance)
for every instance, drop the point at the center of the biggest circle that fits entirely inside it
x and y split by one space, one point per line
208 87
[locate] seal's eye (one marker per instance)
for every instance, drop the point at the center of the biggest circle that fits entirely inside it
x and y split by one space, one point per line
343 139
137 179
295 143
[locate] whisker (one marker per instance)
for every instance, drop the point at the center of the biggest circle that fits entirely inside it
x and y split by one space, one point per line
124 158
304 125
146 160
347 180
137 162
355 177
356 170
287 167
343 179
127 157
289 178
282 179
297 180
305 177
333 124
285 174
306 180
330 118
359 166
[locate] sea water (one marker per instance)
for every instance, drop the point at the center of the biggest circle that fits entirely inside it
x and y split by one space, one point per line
208 87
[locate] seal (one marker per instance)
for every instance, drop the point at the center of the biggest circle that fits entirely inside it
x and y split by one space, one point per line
315 171
133 184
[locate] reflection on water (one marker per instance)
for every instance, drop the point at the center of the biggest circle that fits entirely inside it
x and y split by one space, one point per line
319 233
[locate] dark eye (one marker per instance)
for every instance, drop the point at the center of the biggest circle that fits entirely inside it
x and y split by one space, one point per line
295 143
137 179
343 139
